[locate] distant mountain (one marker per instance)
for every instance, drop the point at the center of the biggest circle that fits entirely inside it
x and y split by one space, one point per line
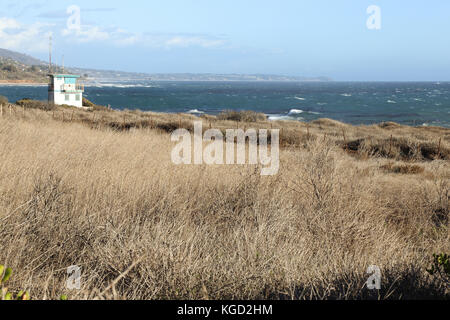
20 57
17 66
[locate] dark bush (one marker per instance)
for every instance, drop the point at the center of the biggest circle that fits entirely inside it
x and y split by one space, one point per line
87 103
10 68
242 116
90 104
34 69
35 104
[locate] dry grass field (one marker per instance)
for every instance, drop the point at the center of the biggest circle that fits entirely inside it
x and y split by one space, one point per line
98 189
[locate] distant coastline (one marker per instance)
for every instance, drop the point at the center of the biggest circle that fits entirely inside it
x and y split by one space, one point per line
111 76
17 68
21 83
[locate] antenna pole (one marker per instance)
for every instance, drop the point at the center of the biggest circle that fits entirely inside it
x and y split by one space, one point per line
63 64
50 55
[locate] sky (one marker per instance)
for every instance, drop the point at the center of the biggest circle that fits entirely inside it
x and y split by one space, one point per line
403 40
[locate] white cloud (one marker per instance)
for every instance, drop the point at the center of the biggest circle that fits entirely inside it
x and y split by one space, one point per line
120 37
168 41
180 41
34 37
29 38
8 23
86 33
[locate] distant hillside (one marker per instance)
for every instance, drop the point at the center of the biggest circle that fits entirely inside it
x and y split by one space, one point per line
16 66
20 57
13 71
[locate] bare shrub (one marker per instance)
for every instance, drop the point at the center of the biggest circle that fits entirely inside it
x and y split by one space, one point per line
34 104
242 116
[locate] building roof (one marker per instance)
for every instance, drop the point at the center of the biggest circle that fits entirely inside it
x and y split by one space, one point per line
63 75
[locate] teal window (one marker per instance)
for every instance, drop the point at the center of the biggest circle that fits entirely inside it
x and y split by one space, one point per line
77 97
70 81
67 97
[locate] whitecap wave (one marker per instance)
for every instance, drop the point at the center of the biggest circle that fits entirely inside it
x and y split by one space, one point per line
293 114
295 111
391 101
195 111
282 117
299 98
117 85
346 95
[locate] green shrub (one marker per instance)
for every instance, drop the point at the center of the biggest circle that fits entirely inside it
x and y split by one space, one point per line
87 103
441 267
5 275
90 104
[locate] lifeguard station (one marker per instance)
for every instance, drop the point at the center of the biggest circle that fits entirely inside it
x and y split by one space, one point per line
63 89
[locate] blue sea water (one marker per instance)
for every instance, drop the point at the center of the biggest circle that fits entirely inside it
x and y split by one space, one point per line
409 103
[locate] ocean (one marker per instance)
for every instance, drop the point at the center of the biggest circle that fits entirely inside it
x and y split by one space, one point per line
409 103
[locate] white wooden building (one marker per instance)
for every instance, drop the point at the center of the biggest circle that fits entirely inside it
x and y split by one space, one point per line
63 89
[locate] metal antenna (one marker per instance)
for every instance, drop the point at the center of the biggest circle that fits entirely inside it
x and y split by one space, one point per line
50 55
63 64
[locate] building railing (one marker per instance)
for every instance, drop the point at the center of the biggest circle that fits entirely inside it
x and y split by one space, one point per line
67 88
79 87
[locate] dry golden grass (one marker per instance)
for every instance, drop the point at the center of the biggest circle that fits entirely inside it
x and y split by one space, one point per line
98 190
